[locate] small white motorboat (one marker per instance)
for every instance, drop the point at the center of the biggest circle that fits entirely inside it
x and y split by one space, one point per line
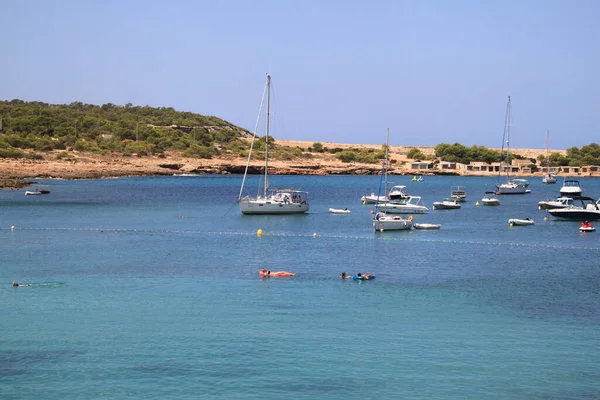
490 199
560 202
458 193
32 193
520 222
427 226
446 204
339 211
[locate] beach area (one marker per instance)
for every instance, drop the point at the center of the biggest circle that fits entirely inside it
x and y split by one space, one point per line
16 172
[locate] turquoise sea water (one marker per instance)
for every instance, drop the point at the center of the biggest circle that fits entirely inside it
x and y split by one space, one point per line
148 288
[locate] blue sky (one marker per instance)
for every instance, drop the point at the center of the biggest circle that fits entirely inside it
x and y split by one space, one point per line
343 71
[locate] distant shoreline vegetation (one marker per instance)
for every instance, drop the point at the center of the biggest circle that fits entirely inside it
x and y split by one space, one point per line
31 129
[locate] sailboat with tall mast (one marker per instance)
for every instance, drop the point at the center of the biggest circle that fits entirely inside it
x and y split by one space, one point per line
270 200
511 186
549 177
382 221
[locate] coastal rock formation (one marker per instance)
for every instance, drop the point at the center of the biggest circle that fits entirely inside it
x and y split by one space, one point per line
94 166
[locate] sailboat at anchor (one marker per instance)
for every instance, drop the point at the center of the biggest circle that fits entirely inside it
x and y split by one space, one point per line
512 186
270 200
549 177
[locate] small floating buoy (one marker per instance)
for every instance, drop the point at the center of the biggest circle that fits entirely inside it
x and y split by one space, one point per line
12 228
545 218
381 230
259 232
477 204
511 224
314 235
364 202
372 212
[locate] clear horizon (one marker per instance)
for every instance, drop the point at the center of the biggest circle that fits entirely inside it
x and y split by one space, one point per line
343 71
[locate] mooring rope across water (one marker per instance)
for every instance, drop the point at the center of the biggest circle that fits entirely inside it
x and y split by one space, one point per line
375 236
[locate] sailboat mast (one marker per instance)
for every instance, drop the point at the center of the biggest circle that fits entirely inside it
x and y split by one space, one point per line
508 160
547 151
387 145
267 135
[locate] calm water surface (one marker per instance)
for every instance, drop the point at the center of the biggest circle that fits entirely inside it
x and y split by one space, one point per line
148 288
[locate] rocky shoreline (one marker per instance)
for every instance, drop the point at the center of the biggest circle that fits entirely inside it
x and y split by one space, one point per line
18 172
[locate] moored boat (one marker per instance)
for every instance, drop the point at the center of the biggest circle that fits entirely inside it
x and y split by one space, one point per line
382 221
549 178
560 202
398 193
571 188
512 186
490 199
520 222
446 204
520 181
373 198
583 209
413 205
427 226
385 222
270 201
37 191
339 211
458 193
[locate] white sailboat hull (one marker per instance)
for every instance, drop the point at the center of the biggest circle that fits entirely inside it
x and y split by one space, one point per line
270 206
511 188
391 223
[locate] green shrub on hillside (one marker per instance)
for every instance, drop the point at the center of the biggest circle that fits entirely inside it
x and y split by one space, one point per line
64 155
415 154
15 153
366 156
196 151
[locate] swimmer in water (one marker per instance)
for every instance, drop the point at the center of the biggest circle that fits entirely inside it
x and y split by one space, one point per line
345 276
366 277
264 273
